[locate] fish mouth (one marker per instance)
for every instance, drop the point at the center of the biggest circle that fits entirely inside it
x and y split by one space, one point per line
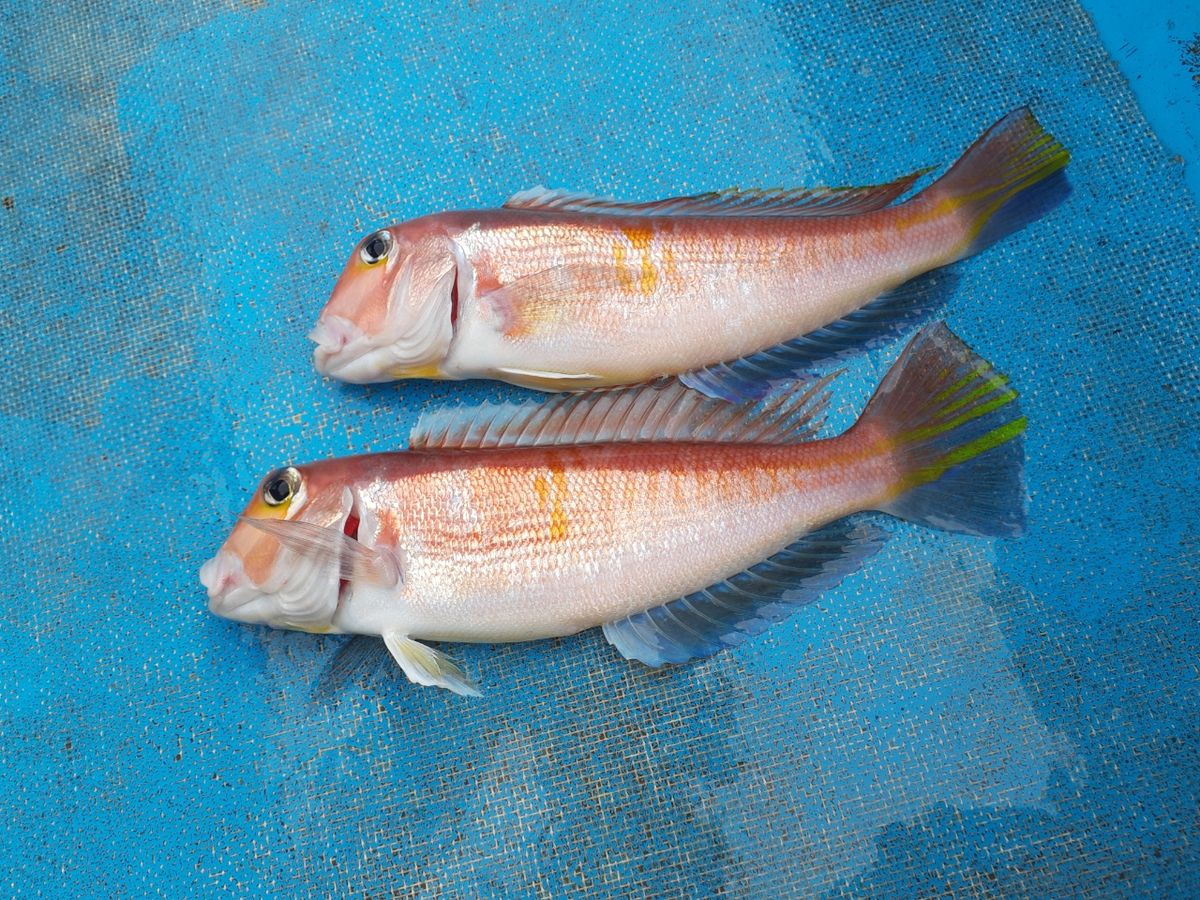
229 587
411 343
299 592
345 352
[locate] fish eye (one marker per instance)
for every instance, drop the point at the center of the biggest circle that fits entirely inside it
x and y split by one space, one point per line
280 486
376 247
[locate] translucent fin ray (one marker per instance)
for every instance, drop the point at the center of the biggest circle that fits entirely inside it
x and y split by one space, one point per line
751 202
882 320
955 428
1012 175
726 613
666 411
432 668
331 547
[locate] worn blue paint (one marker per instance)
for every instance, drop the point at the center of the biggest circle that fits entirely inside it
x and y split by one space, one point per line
964 715
1157 47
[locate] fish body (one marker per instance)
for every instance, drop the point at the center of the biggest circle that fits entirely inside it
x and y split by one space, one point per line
678 522
595 300
526 543
565 292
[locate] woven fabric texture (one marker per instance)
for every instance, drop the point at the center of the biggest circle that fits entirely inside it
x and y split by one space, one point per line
181 185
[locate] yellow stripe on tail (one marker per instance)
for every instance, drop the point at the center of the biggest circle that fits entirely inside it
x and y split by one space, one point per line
1008 178
954 428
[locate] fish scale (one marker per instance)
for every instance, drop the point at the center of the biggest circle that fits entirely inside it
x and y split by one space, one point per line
680 523
622 507
560 291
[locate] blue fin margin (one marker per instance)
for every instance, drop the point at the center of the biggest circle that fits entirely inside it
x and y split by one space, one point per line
883 319
725 614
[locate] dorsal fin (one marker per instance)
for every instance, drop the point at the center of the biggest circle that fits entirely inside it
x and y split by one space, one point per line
664 411
724 614
753 202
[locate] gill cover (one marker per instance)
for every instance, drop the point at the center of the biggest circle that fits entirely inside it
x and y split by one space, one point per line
392 318
297 592
259 579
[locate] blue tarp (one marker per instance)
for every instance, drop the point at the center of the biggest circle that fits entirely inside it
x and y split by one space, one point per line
181 185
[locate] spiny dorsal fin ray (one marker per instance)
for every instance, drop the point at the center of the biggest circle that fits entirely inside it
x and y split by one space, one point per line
726 613
665 411
883 319
834 201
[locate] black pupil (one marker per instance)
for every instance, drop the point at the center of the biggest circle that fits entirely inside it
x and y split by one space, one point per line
376 247
279 490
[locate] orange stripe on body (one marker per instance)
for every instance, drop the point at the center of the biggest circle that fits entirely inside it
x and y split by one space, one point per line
641 277
551 495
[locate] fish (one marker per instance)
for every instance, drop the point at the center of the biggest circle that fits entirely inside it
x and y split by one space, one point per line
678 523
729 290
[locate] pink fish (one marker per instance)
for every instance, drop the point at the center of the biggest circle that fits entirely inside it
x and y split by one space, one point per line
679 523
728 290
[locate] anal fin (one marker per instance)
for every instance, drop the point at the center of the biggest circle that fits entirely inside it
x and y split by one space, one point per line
424 665
725 614
883 319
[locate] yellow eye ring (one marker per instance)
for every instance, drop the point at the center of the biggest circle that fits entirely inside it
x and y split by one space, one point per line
376 247
280 486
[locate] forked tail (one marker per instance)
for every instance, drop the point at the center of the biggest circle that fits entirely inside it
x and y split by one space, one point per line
1008 178
955 431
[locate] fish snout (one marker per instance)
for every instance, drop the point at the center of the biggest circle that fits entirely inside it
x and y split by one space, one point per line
227 584
332 335
345 352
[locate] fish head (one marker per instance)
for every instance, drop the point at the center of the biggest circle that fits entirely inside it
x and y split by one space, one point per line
391 314
257 579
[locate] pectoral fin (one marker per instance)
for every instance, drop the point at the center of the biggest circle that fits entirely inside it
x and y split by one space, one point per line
547 297
424 665
330 546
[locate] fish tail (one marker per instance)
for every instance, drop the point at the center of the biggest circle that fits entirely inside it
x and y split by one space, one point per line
1008 178
953 429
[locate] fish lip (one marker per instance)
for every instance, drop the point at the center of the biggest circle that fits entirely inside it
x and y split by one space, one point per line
340 344
356 362
333 332
223 576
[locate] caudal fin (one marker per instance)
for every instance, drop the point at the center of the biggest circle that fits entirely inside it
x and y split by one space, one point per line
1008 178
955 430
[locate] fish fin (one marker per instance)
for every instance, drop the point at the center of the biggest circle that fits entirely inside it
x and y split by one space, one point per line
886 317
359 656
955 430
750 202
724 614
542 380
332 547
1012 175
545 297
662 411
424 665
